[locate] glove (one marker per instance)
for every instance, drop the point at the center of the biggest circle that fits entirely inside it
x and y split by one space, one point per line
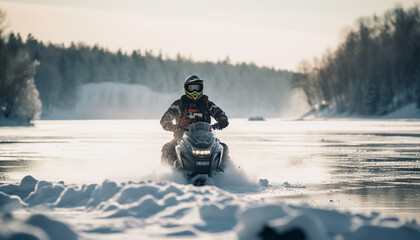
223 122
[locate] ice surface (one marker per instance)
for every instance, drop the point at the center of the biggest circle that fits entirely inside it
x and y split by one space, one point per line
354 166
158 209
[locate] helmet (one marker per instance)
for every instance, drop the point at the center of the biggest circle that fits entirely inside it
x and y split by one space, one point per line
193 86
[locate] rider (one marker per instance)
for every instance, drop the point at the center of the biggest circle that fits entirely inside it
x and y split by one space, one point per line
190 108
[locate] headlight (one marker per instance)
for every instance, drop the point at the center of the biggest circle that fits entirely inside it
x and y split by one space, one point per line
201 151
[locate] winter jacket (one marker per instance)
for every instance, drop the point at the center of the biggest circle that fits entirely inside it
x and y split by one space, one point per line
186 112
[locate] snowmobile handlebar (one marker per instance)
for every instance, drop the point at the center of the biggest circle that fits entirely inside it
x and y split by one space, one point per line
212 127
215 126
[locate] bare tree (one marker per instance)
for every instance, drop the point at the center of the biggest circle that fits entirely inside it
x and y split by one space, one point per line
3 23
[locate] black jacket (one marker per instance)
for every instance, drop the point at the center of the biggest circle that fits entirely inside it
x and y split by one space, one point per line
186 112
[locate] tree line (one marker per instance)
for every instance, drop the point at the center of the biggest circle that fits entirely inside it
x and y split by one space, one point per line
375 70
61 71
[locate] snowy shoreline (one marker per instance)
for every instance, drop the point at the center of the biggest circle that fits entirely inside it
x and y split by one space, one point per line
409 111
158 210
15 123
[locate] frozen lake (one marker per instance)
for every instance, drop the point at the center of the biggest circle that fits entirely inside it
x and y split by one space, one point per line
356 166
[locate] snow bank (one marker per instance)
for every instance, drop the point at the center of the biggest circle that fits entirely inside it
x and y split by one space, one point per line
35 227
26 186
150 209
301 222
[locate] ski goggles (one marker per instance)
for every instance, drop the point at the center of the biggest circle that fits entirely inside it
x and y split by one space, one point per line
195 87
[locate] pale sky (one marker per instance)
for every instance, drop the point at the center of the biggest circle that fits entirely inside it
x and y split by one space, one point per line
274 33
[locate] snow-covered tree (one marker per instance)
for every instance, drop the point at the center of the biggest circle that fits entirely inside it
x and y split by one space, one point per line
28 106
19 98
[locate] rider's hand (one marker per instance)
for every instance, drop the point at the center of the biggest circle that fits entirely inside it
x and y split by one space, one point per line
223 122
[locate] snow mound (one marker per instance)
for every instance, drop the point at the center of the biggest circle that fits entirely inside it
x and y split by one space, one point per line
35 227
300 222
152 209
7 201
26 186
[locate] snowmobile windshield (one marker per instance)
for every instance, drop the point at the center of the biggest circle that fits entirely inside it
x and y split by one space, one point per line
199 126
195 87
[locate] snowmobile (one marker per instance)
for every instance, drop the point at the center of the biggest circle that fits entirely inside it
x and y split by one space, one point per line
199 154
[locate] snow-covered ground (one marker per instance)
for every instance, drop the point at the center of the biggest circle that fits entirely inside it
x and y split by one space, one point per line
291 180
155 210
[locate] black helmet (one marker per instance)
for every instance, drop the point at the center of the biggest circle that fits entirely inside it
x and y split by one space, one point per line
193 86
